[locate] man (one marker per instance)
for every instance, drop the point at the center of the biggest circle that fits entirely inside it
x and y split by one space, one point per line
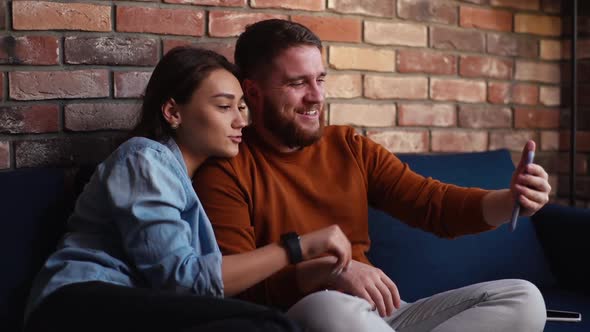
294 175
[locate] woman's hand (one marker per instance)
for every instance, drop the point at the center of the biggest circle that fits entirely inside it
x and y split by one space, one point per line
330 240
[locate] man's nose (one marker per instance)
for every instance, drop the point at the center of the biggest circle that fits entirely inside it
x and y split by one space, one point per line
315 94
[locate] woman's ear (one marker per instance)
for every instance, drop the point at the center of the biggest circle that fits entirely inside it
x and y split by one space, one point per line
171 113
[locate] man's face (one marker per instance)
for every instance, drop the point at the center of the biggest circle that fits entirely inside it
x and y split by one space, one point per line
293 97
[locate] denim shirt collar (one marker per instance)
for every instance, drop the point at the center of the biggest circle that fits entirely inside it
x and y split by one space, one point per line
171 144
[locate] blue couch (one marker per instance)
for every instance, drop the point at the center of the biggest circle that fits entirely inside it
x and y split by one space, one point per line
549 251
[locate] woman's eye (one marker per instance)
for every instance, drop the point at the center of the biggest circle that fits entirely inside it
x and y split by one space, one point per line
242 108
224 107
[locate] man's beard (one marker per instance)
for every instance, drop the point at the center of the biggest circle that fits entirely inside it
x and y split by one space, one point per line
286 129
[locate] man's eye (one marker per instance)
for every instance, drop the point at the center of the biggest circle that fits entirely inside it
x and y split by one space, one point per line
296 83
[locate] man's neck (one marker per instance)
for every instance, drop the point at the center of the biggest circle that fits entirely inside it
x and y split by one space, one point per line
272 141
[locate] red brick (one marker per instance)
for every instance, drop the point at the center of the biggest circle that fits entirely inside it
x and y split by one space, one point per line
543 25
526 94
220 3
31 85
344 57
582 141
520 4
549 141
190 22
508 93
64 151
454 39
552 49
343 86
331 28
458 90
363 7
44 15
232 23
29 119
538 72
4 154
512 45
499 93
550 96
536 118
431 115
395 33
419 61
513 140
312 5
459 141
479 66
85 117
111 51
396 87
401 141
225 49
29 50
436 11
489 19
131 84
365 115
485 117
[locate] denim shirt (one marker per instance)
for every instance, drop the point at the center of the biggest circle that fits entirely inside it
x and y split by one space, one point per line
138 223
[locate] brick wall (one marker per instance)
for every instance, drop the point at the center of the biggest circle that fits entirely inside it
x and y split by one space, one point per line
414 75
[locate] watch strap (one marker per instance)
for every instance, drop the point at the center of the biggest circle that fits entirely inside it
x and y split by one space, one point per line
291 242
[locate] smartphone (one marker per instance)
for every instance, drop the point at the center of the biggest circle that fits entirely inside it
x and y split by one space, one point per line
563 316
516 210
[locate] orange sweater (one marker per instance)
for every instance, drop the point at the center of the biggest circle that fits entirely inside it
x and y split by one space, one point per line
255 197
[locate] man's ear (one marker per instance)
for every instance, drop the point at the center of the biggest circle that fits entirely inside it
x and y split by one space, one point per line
170 111
251 91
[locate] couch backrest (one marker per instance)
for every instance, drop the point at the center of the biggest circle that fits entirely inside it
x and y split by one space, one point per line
32 218
422 264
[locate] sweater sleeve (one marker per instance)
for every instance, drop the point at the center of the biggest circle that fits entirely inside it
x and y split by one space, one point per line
227 203
443 209
148 196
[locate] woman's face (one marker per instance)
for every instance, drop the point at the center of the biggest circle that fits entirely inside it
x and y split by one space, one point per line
211 122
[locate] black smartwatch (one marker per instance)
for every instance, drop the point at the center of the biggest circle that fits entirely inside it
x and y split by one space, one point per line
293 246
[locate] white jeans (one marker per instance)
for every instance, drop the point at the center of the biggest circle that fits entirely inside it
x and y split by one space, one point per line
502 305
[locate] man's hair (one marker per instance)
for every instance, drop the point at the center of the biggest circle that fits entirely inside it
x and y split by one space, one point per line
263 41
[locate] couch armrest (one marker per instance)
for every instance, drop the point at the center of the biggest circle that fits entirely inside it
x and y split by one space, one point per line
563 232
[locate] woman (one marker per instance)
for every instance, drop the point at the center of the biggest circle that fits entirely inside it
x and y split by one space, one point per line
140 251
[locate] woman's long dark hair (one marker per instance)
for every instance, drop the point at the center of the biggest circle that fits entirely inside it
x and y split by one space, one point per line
178 74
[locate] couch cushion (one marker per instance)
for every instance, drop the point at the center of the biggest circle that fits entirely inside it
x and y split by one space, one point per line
558 299
422 264
33 217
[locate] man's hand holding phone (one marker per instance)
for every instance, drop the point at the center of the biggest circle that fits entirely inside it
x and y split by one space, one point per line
529 186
